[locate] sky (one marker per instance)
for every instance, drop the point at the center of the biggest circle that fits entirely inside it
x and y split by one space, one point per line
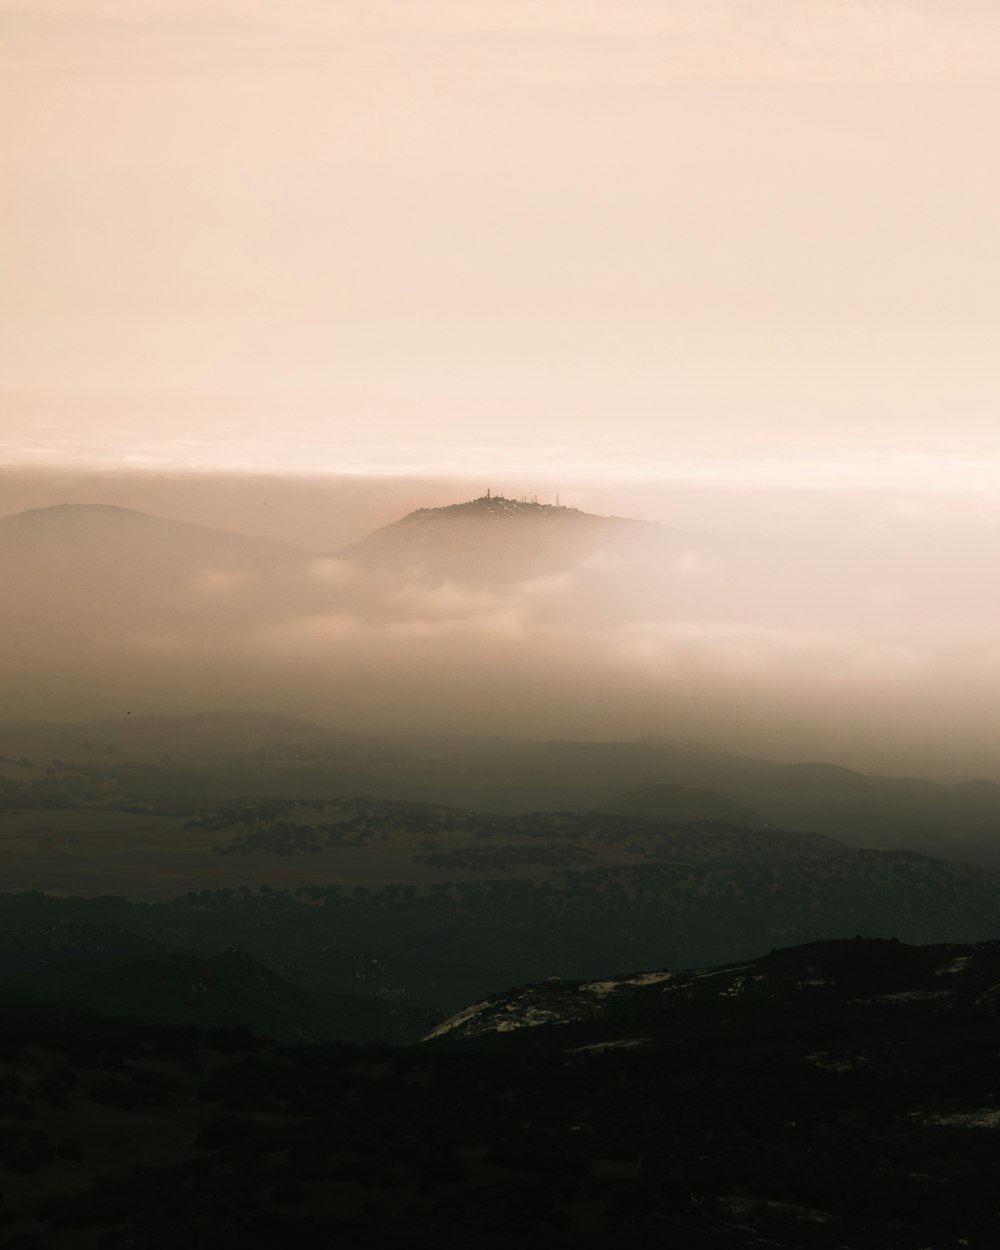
748 242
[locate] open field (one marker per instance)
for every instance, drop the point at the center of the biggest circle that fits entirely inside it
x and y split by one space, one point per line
155 857
92 852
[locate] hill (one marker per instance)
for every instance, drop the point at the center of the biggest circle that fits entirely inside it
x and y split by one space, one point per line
955 820
221 733
111 534
110 568
887 975
680 805
835 1096
476 915
497 538
105 971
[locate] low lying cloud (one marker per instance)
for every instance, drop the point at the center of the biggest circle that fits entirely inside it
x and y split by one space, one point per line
874 648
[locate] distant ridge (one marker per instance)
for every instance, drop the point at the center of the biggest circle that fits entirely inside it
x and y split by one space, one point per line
223 730
68 522
673 804
103 571
497 537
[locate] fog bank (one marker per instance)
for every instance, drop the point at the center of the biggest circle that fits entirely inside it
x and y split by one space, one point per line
852 627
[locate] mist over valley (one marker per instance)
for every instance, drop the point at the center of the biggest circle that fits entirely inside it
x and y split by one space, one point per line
856 636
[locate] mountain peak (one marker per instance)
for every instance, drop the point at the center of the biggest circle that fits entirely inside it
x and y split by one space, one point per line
499 505
494 537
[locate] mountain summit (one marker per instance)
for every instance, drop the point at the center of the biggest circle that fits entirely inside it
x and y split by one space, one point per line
494 537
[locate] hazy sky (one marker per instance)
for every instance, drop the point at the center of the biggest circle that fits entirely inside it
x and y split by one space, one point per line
294 267
749 239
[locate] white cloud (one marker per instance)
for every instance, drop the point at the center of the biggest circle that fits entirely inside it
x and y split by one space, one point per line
222 582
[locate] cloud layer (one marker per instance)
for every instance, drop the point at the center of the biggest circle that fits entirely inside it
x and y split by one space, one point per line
859 633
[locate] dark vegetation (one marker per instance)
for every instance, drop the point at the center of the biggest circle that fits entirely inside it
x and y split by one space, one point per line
383 963
791 1114
110 972
505 858
190 766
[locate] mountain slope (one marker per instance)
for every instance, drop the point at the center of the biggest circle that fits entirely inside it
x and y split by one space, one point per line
494 918
497 538
827 975
109 972
219 732
72 529
958 821
680 805
838 1096
109 568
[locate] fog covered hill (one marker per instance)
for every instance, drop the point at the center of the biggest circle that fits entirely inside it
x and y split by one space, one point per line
218 733
209 734
959 820
75 531
489 537
116 568
498 538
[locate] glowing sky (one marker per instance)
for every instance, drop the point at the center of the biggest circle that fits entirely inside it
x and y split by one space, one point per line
733 238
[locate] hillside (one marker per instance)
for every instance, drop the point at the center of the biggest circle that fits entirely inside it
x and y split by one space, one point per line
109 534
497 538
217 755
112 568
103 971
837 1096
679 805
478 922
958 820
828 976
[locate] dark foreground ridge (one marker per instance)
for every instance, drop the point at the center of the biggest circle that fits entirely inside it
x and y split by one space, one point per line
829 977
836 1095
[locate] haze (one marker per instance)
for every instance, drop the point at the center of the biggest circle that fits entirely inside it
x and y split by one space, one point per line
292 270
851 627
452 234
